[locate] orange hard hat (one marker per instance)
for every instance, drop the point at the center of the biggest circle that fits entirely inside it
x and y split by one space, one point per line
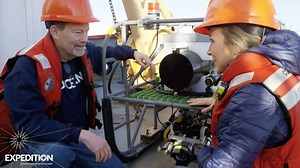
255 12
76 11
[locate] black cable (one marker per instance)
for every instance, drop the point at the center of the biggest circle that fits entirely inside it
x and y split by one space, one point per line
111 76
155 48
156 44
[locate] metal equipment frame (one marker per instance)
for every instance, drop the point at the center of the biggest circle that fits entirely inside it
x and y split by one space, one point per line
134 150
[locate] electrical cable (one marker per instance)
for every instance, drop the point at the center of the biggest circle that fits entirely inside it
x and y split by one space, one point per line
156 44
111 76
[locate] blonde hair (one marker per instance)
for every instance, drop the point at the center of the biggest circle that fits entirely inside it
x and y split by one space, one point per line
237 39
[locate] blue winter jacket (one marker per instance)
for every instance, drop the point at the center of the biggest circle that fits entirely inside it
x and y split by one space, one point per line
253 119
27 104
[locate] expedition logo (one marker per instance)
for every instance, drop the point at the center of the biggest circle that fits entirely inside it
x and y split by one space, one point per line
40 159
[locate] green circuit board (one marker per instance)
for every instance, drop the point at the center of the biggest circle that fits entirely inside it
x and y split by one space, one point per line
153 94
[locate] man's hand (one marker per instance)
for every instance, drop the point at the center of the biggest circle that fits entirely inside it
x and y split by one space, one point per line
208 101
96 144
142 59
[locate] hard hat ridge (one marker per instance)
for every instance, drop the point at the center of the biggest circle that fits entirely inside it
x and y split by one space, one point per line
219 12
76 11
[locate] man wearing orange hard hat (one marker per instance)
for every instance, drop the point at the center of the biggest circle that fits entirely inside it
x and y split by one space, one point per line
255 117
50 90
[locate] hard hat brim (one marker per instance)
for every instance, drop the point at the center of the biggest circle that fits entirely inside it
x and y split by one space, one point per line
79 19
201 30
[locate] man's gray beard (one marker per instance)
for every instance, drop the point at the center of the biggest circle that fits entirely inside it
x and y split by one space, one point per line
79 53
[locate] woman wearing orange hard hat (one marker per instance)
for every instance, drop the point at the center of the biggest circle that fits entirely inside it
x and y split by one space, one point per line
50 90
255 118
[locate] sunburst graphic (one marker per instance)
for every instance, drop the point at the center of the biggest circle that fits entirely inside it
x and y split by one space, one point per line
13 141
19 140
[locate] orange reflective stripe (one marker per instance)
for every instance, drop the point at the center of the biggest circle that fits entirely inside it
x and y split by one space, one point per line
291 98
283 88
285 85
237 80
25 50
276 79
43 61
